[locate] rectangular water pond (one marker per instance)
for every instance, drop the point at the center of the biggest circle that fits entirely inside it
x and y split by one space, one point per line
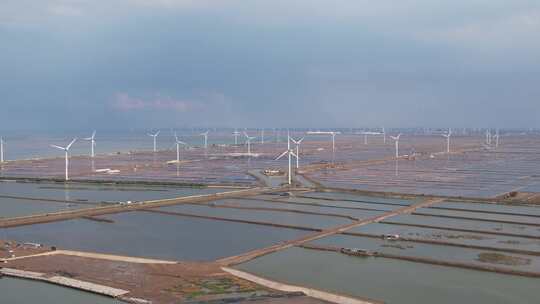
343 211
14 291
343 196
519 262
22 207
334 203
492 207
145 234
276 217
466 224
481 216
98 192
455 237
392 281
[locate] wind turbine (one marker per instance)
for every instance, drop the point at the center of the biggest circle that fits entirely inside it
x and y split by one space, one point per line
155 135
178 143
205 135
290 153
448 140
236 133
66 150
332 133
488 137
496 138
92 140
384 135
262 136
396 139
248 141
1 149
297 143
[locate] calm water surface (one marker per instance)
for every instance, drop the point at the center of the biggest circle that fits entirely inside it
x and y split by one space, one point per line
16 291
154 235
392 281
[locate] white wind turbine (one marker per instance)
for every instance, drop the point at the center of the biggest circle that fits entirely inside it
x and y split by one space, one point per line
334 140
178 143
155 135
290 153
396 139
488 137
262 136
92 140
1 149
297 143
384 135
248 142
205 135
332 133
236 133
496 138
447 136
66 150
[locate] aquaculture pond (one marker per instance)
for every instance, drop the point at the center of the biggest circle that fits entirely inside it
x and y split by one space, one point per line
268 216
465 224
147 234
454 237
492 207
343 196
340 204
478 257
98 192
392 281
480 216
15 291
342 211
10 207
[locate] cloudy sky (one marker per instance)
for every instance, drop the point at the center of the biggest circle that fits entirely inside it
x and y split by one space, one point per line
118 64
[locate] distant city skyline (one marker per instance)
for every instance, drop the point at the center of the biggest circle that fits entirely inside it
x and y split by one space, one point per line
140 64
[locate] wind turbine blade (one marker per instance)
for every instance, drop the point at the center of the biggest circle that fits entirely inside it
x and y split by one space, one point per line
294 154
282 154
301 140
71 143
58 147
94 134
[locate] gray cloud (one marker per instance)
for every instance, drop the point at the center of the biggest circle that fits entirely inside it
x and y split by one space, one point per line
283 63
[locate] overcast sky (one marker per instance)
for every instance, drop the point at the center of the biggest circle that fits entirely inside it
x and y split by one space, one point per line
119 64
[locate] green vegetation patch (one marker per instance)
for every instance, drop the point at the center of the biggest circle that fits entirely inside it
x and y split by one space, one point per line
502 259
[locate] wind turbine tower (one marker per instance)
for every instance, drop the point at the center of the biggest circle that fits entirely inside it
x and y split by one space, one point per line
236 133
92 140
178 143
248 142
290 153
1 149
205 135
448 140
297 143
396 140
66 150
155 135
